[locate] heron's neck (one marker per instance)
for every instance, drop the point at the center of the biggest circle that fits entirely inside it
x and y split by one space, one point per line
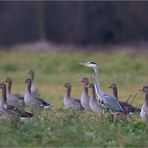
68 91
96 83
29 87
9 86
115 92
4 95
146 99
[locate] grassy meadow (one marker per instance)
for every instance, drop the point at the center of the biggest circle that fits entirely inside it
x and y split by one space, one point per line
59 127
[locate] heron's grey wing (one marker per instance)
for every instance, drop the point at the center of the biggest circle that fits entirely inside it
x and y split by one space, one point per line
112 102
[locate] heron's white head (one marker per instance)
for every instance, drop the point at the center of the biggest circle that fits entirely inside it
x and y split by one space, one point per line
90 64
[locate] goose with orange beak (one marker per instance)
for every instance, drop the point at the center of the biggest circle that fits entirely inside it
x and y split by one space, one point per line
144 109
84 96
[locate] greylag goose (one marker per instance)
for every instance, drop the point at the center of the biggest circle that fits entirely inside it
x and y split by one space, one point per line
95 105
127 108
33 101
144 109
8 111
34 90
16 100
109 101
85 97
69 102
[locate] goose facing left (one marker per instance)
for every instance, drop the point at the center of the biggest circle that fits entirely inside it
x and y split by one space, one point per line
33 101
144 109
84 96
34 90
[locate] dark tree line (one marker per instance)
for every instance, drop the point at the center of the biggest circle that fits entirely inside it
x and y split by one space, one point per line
75 22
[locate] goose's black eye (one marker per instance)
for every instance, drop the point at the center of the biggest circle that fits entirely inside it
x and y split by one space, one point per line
92 63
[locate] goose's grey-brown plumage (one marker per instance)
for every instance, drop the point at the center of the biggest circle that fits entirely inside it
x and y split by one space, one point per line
69 102
94 104
34 90
33 101
8 111
84 99
127 108
16 100
144 109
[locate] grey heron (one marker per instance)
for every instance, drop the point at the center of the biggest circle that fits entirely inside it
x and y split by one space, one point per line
108 100
144 109
85 97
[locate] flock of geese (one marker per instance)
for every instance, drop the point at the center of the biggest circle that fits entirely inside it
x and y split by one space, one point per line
99 102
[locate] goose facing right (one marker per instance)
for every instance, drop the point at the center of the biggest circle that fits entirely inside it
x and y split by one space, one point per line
69 102
33 101
16 100
8 111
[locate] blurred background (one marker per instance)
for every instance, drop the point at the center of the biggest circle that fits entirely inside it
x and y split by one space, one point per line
76 23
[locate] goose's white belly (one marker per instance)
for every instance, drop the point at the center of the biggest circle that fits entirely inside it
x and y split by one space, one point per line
95 106
144 114
28 99
34 91
85 101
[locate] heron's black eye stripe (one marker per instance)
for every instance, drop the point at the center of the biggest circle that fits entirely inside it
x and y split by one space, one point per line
92 63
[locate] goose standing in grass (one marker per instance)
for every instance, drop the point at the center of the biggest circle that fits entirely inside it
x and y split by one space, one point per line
8 111
127 108
144 109
85 97
95 105
109 101
69 102
33 101
14 99
34 90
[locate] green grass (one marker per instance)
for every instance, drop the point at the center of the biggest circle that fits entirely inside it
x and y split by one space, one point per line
58 127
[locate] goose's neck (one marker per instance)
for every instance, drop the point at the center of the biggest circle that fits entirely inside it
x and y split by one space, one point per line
68 91
9 86
96 83
29 87
4 95
85 89
32 76
115 92
146 99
